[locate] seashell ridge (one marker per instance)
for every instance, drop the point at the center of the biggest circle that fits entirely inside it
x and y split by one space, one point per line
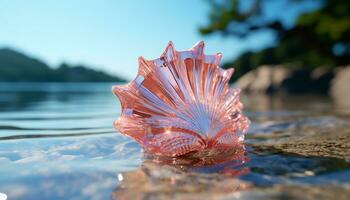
181 103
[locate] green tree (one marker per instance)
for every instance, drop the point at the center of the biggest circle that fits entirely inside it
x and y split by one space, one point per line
318 37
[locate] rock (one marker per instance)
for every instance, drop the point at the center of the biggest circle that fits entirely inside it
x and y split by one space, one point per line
306 192
331 139
299 81
266 78
340 87
321 79
309 81
286 79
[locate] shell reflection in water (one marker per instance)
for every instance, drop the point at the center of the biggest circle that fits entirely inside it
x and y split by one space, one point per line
181 103
190 176
228 161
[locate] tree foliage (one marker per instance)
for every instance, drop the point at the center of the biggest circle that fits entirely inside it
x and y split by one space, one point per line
318 37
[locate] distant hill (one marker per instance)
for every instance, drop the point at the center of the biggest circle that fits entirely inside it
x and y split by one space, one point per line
16 66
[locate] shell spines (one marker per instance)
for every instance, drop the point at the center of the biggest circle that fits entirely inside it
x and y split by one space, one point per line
181 102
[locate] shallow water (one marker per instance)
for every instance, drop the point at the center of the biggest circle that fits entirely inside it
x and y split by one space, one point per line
57 142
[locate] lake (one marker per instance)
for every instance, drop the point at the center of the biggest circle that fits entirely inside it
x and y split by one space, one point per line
57 142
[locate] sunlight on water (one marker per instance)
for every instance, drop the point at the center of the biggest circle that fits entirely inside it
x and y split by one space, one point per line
61 133
57 142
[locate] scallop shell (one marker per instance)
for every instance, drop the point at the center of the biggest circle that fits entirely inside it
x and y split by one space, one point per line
181 103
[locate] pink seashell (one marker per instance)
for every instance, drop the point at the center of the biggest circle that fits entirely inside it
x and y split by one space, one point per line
181 103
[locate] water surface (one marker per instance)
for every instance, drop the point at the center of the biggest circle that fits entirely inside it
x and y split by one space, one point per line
57 142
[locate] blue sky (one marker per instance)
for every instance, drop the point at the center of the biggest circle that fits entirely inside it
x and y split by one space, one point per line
111 34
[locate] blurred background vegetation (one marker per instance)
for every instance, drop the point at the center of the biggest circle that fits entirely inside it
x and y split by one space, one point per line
319 37
308 41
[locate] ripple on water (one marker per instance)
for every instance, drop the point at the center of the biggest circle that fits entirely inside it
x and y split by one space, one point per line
57 142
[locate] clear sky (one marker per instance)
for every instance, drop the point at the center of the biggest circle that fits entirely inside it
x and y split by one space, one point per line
110 34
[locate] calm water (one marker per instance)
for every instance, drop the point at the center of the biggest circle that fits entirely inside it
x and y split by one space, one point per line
57 142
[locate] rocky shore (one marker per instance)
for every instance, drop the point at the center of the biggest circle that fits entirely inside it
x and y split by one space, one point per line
285 79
